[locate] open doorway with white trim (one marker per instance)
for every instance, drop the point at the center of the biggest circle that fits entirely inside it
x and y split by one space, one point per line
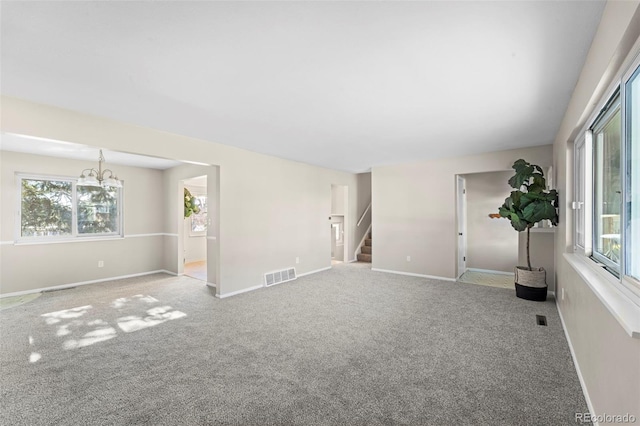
195 227
461 206
338 223
487 247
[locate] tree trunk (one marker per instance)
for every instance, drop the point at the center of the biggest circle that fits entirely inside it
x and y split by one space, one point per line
528 257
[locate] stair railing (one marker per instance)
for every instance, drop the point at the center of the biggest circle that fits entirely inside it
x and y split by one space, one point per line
364 214
359 246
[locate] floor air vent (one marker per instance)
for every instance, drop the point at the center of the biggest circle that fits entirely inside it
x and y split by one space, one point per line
541 320
277 277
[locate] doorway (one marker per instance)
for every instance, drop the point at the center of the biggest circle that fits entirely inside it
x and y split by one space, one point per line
339 219
461 203
195 228
490 245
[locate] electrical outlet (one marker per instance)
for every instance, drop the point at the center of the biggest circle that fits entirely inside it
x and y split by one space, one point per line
408 258
100 263
297 260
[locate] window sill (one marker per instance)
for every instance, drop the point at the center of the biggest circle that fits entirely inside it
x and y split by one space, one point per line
607 288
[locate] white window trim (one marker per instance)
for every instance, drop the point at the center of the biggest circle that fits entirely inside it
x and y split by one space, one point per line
617 268
75 236
628 281
587 202
621 296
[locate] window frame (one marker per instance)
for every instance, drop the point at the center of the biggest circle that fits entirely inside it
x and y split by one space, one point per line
611 107
583 193
75 235
624 283
631 283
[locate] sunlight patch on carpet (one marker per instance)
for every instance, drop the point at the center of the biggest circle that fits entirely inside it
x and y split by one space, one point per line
80 328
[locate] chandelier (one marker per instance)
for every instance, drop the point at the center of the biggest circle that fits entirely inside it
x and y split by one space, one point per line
97 177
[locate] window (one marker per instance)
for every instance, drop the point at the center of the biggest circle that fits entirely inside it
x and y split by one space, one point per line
46 208
582 151
607 185
98 210
56 208
199 220
632 202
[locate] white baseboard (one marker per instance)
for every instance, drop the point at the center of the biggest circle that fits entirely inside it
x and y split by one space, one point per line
212 285
235 293
585 391
70 285
490 271
314 272
410 274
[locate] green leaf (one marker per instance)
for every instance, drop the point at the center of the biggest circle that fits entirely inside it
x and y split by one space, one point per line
535 212
508 203
517 223
516 197
538 185
530 203
524 172
505 212
529 198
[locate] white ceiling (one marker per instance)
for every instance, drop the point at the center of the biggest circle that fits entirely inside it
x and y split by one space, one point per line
345 85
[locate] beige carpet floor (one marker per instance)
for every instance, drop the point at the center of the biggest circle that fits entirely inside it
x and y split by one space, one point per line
346 346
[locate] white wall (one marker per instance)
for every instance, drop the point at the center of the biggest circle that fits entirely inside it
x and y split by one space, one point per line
25 267
271 210
607 357
337 199
491 243
414 209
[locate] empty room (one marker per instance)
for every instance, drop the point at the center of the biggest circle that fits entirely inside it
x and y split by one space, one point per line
320 213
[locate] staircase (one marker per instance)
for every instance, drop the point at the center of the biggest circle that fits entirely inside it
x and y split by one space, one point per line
366 250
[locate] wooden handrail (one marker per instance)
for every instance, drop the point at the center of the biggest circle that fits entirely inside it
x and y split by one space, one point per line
363 214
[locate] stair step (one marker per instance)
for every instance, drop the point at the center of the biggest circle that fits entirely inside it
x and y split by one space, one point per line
368 242
364 257
366 249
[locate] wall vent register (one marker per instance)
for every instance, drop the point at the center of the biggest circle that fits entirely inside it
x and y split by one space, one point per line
277 277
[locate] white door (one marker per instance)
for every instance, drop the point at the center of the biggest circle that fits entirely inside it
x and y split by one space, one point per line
462 224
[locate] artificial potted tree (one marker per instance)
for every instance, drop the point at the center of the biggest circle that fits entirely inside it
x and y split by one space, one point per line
191 204
529 204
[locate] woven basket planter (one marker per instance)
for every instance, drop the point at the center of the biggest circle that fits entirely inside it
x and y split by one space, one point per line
531 285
